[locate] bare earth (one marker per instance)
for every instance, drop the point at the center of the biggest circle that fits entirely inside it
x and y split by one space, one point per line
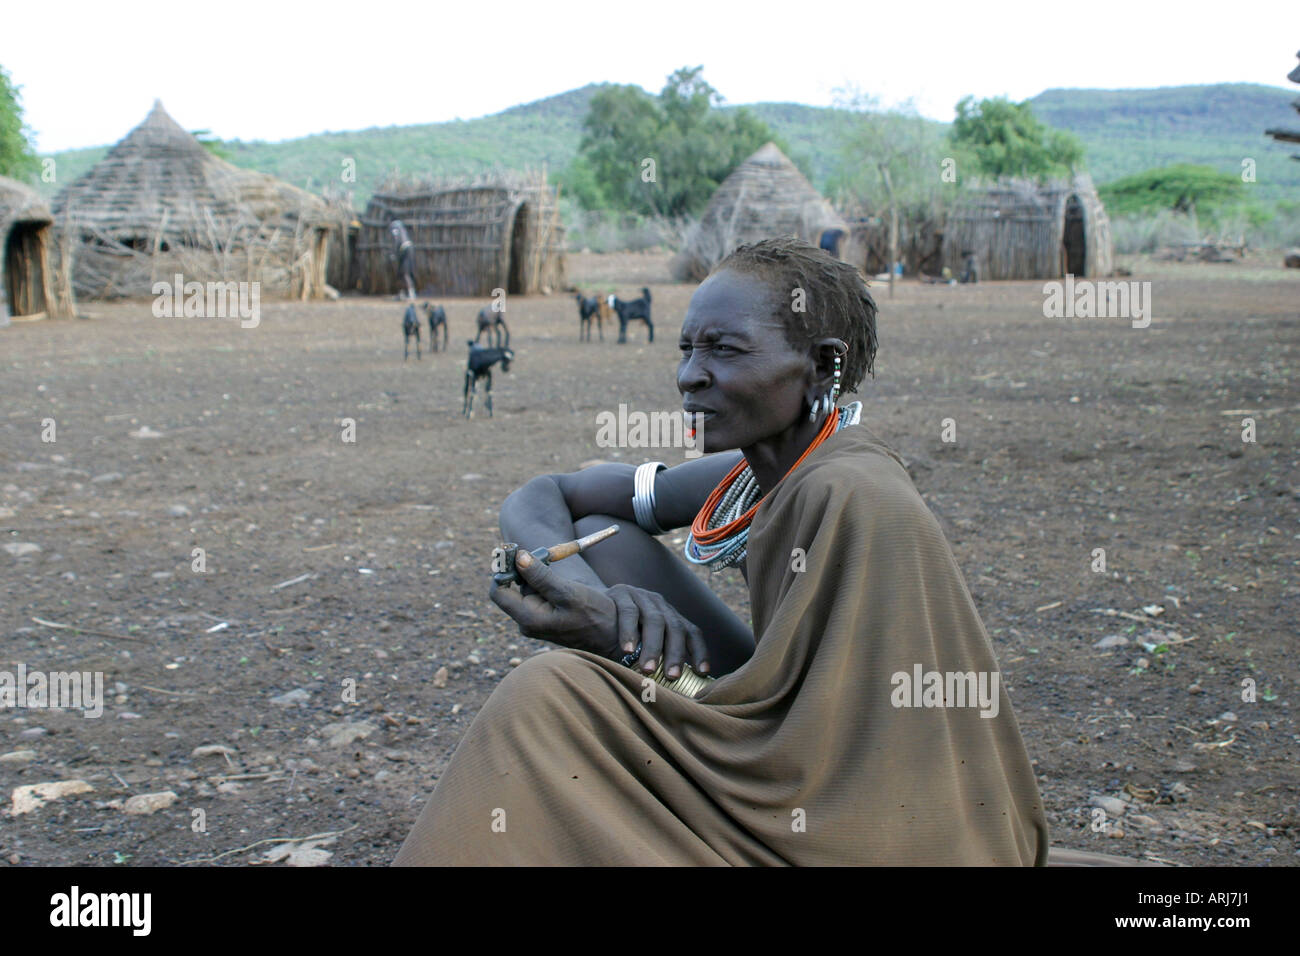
1071 435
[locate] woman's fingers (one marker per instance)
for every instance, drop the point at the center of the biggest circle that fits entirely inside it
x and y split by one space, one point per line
699 650
629 617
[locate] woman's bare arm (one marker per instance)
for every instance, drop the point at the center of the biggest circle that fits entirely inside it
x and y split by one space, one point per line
543 511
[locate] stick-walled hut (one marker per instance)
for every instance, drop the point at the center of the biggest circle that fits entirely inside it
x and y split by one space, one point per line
469 237
1022 230
32 284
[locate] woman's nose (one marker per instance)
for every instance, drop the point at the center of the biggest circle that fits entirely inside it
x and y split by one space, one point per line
691 374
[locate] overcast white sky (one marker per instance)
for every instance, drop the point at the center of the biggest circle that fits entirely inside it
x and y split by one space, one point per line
272 70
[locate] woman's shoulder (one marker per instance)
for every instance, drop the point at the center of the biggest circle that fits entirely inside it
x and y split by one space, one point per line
854 465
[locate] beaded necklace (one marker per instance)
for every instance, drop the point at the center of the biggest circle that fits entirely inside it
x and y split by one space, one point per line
720 533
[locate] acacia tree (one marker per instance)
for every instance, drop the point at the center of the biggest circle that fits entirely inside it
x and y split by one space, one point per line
1007 139
662 155
17 158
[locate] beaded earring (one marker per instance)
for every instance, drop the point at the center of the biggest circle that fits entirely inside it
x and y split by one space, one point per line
835 388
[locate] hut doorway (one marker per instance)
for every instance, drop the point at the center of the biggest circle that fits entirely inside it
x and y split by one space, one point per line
518 236
1075 241
25 262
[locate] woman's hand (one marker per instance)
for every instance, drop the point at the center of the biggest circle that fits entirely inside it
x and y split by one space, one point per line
561 611
607 622
647 617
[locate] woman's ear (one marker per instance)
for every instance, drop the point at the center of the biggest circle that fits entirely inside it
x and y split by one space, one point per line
825 352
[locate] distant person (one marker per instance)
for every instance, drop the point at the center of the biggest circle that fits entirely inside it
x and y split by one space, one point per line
970 268
405 250
830 241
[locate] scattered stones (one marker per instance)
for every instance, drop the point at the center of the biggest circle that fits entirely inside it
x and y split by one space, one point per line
22 548
1141 819
293 698
1141 663
343 733
440 678
144 431
516 661
1184 766
32 732
1179 792
474 659
36 795
178 511
1228 717
213 750
1111 640
106 477
300 854
1113 806
1195 689
18 756
144 804
14 859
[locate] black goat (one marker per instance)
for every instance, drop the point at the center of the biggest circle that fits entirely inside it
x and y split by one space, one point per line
410 327
629 309
493 323
588 309
437 319
480 365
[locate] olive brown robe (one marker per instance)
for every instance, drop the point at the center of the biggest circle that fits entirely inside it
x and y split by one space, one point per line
870 726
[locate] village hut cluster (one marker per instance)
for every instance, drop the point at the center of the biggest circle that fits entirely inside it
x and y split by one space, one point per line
1014 230
161 204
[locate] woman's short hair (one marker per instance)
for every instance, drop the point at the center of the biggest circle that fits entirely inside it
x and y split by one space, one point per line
835 301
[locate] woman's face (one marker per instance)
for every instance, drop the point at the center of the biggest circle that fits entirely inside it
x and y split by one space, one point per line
737 367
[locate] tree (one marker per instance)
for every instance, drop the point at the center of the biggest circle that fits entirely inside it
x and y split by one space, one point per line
662 155
1183 187
1006 139
890 160
17 158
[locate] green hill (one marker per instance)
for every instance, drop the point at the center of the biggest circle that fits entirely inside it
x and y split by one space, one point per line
1125 131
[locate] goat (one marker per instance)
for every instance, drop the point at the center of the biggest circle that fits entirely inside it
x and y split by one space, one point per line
493 323
589 309
628 309
437 319
480 365
410 327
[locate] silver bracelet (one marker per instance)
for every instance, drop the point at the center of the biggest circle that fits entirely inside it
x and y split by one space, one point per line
643 496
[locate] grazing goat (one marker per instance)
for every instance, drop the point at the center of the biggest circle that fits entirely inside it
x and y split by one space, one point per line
437 319
588 309
480 365
410 327
628 309
493 323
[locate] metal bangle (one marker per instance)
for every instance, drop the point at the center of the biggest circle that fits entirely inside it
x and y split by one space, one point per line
643 496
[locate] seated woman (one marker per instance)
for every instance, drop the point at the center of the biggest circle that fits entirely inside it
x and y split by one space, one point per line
860 721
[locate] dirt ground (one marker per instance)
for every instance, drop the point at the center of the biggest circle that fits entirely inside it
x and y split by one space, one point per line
332 565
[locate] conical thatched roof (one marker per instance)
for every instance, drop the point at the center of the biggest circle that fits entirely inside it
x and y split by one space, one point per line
765 196
159 189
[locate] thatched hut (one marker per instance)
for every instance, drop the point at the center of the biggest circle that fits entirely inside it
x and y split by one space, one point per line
160 204
765 196
920 243
469 238
1022 230
32 286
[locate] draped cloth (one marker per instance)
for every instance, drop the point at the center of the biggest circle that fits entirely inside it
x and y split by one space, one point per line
812 753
